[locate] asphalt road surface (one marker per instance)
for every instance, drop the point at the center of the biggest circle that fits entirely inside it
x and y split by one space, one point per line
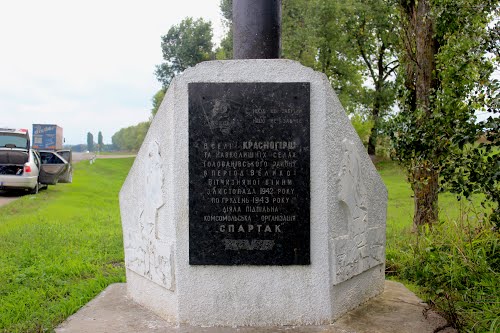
87 156
6 197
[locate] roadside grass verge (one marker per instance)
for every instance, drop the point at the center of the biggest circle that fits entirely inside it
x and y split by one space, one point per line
111 153
61 247
455 266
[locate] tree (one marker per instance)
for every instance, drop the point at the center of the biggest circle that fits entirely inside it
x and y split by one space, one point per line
311 36
337 58
447 78
156 100
100 143
353 42
372 27
90 142
362 126
225 50
130 138
301 31
185 45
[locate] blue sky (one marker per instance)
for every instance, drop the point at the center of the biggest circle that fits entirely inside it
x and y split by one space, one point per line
87 66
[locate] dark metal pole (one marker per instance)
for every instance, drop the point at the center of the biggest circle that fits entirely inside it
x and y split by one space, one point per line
256 29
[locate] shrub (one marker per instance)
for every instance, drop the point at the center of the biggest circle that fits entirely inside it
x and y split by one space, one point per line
457 266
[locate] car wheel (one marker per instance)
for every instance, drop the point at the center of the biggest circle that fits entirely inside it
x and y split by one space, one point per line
36 188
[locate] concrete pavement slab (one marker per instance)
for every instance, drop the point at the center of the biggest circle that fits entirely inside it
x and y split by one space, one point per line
397 310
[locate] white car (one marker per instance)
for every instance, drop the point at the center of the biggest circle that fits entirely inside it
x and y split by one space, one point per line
24 168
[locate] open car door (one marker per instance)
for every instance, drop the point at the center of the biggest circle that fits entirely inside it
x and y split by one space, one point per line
67 177
53 167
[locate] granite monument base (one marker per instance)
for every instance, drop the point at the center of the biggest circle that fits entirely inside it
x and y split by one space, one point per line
199 267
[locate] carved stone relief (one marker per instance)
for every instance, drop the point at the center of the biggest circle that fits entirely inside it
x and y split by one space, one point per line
149 253
351 248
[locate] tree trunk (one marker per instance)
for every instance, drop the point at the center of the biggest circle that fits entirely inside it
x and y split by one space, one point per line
426 186
379 81
372 140
425 176
425 191
425 57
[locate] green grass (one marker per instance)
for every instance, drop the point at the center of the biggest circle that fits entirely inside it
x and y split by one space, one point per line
117 153
455 266
60 248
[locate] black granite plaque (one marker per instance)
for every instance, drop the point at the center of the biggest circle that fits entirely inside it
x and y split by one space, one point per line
249 152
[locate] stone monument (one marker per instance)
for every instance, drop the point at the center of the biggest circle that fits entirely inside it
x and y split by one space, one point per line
252 201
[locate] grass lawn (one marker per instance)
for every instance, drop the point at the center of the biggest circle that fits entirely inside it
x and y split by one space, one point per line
119 153
400 205
61 247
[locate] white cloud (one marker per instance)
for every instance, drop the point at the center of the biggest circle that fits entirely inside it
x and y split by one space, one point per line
85 65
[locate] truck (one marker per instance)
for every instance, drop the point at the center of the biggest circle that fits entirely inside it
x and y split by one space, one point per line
47 137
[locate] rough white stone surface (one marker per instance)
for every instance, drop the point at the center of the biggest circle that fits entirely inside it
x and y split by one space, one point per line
348 212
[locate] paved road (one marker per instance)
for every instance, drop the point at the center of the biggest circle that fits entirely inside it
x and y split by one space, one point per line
87 156
6 197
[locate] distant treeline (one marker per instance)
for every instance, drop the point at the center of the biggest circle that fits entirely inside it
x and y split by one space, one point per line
81 148
130 138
